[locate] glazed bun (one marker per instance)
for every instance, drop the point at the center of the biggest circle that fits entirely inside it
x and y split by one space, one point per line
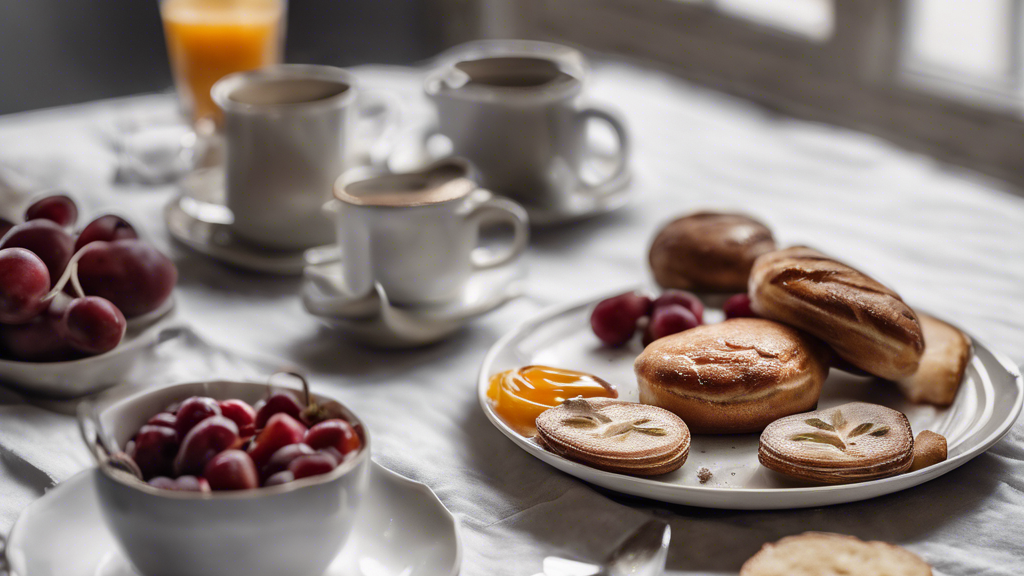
866 323
734 377
709 251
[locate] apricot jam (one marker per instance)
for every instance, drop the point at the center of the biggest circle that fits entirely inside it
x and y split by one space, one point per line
520 395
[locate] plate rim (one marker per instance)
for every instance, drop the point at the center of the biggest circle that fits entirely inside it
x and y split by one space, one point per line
571 467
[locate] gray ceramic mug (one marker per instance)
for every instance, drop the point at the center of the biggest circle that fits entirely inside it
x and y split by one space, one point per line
288 136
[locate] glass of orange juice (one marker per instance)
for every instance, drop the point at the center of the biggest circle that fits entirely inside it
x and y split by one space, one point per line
209 39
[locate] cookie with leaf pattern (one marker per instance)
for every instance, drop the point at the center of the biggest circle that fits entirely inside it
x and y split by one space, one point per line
854 442
616 436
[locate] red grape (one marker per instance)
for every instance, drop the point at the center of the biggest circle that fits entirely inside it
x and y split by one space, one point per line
133 275
46 240
37 341
277 403
242 414
283 457
193 411
281 430
5 226
57 208
282 477
165 419
738 306
684 298
667 320
209 438
105 229
231 470
182 484
335 433
154 450
312 465
24 281
93 325
614 320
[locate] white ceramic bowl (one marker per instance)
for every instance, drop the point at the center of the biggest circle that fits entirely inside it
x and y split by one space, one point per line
294 529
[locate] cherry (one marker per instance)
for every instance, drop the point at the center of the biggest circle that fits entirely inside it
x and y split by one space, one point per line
154 450
207 439
5 226
281 430
738 306
283 457
133 275
36 341
312 465
46 240
684 298
277 403
163 419
242 414
282 477
182 484
193 411
92 325
105 229
24 281
58 208
335 433
667 320
231 470
614 320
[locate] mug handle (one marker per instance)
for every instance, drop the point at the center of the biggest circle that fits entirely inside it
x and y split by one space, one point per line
586 115
378 106
493 209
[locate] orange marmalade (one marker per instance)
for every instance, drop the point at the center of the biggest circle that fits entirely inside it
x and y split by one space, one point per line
520 395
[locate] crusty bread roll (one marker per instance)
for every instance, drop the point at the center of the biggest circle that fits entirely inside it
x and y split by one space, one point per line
709 251
824 554
734 377
866 323
947 351
929 450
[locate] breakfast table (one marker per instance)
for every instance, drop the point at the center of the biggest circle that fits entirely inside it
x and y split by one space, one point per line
950 241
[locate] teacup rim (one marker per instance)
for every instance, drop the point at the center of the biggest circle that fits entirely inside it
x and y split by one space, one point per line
221 90
358 175
343 469
504 94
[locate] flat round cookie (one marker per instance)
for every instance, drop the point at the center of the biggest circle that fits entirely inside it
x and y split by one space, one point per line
825 554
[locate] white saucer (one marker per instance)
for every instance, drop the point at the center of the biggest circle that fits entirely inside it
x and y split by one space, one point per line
402 529
375 321
198 219
584 204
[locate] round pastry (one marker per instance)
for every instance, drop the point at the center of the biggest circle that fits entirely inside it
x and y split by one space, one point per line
734 377
850 443
821 554
866 323
929 449
709 251
947 351
616 436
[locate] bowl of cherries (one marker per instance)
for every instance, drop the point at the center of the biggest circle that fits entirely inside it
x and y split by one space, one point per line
75 302
229 478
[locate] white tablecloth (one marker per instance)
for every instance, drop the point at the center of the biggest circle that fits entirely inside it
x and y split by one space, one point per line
950 242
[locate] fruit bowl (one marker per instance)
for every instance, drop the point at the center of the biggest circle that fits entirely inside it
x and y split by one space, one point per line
293 529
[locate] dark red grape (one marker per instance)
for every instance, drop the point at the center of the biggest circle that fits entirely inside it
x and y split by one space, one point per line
133 275
165 419
193 411
282 477
24 281
242 414
335 433
36 341
231 470
154 451
5 226
281 430
312 465
209 438
283 457
667 320
614 320
93 325
58 208
182 484
44 239
684 298
738 306
105 229
278 402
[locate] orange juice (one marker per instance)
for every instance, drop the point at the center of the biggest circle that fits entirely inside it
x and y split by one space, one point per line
209 39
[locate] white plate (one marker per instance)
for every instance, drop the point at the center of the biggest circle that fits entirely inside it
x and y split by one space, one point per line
987 404
402 530
92 374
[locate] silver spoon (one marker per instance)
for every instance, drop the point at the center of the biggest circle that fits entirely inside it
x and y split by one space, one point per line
642 553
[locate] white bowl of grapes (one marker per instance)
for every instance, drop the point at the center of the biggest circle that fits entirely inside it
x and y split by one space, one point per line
78 305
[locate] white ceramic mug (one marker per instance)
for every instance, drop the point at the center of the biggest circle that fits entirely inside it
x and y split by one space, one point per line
516 116
288 136
417 234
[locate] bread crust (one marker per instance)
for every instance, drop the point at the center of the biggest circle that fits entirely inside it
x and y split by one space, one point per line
947 351
708 251
815 553
734 377
865 322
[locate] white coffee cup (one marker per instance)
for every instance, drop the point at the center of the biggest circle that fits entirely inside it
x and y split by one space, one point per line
417 234
288 136
516 116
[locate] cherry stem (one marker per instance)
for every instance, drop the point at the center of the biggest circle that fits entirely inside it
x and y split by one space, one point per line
305 383
70 273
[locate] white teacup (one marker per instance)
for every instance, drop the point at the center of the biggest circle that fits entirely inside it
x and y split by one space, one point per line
417 234
288 136
516 116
